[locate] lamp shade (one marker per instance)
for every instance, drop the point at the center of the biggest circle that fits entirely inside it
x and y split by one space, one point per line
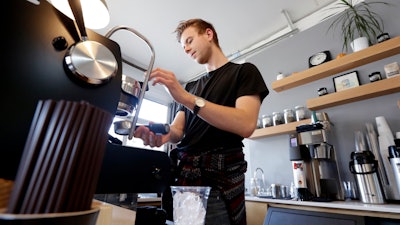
95 12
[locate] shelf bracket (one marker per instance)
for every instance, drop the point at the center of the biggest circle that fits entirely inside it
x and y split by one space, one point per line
288 19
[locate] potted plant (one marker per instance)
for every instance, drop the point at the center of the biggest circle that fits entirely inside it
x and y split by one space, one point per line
357 20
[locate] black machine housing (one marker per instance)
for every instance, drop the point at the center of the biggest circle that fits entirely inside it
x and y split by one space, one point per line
33 70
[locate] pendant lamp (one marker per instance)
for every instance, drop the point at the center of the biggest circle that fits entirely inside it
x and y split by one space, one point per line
95 12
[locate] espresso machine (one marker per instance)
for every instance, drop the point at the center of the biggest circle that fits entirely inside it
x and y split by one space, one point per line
37 68
314 163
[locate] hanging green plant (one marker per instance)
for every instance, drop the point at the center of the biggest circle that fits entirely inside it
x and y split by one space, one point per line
357 20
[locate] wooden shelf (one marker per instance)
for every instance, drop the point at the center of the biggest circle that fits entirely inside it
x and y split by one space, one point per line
366 91
279 129
373 53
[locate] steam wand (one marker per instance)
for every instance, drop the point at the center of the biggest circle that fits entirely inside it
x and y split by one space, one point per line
147 73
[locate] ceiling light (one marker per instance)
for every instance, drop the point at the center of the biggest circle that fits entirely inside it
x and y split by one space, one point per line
95 12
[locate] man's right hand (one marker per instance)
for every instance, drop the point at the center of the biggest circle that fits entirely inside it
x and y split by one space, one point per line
150 138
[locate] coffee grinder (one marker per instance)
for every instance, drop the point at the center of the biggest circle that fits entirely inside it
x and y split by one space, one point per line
314 163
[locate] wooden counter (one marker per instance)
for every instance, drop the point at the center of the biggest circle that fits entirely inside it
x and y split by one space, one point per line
256 209
390 211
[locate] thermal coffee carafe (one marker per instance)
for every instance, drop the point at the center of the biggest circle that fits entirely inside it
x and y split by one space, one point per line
365 168
394 158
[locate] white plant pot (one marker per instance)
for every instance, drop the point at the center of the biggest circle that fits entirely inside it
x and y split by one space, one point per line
359 44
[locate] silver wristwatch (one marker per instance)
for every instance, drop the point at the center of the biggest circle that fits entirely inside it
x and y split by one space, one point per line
198 104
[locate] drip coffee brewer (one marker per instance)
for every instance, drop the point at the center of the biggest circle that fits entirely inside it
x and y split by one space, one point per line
315 170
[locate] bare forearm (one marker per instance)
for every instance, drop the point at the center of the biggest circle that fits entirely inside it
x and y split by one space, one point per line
175 134
241 119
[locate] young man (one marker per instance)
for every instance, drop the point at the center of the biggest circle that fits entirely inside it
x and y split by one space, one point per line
215 113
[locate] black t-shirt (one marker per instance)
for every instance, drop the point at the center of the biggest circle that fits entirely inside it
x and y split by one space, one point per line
221 86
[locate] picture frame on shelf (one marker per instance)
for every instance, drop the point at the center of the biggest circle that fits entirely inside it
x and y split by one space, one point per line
346 81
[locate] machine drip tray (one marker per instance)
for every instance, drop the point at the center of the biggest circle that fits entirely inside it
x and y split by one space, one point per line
305 195
320 199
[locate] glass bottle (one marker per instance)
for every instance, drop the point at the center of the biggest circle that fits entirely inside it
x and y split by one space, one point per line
293 191
253 187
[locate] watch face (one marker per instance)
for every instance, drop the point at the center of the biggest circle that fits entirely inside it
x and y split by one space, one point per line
200 102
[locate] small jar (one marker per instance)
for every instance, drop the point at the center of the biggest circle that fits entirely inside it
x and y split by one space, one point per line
277 118
259 123
322 91
280 76
284 192
300 112
375 76
275 190
266 120
288 116
383 37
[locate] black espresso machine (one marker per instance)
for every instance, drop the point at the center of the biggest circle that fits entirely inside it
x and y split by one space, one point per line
33 68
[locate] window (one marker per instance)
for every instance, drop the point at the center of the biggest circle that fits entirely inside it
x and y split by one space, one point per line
150 111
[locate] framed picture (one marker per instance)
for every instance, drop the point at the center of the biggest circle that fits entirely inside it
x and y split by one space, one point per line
346 81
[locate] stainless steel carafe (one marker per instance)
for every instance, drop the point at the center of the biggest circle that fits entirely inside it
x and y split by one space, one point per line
394 158
365 167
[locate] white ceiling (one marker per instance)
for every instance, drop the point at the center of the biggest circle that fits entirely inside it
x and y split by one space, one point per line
239 24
